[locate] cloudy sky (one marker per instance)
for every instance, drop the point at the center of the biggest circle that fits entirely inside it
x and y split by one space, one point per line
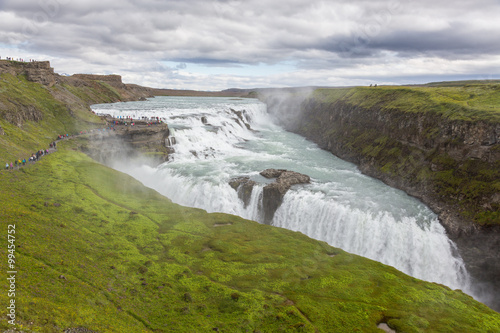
215 45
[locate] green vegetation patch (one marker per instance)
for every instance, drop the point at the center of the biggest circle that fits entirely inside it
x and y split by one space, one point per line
31 117
96 249
472 102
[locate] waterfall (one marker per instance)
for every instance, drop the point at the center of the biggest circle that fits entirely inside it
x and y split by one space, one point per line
418 249
217 139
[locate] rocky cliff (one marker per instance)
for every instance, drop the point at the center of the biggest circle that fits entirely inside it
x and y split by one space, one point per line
120 142
444 152
41 72
272 193
38 71
35 99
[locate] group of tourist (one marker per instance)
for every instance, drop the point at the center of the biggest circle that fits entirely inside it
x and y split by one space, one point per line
150 121
18 59
33 158
53 145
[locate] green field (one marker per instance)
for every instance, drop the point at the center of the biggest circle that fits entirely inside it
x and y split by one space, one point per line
468 102
96 249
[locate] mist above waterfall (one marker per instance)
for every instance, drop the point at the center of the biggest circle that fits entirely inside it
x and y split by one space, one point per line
284 105
218 139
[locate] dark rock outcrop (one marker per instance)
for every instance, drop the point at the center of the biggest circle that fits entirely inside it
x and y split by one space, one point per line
273 193
244 187
37 71
41 72
112 78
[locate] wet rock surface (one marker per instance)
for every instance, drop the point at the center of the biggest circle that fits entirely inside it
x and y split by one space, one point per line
273 193
242 118
244 187
148 143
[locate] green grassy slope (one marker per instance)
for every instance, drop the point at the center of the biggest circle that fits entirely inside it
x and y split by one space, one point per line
31 117
470 102
96 249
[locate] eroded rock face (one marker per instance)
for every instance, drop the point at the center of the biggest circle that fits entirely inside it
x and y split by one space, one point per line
37 71
285 179
23 113
130 142
273 193
244 187
40 72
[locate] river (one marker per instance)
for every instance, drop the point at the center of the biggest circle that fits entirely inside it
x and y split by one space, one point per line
218 139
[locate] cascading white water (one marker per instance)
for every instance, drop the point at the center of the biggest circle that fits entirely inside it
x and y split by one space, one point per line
414 248
218 139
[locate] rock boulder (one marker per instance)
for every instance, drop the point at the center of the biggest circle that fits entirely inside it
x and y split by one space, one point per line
244 187
273 193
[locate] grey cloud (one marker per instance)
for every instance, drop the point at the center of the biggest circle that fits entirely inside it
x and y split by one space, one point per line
457 39
314 35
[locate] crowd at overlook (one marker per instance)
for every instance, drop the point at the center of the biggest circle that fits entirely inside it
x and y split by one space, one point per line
149 121
18 59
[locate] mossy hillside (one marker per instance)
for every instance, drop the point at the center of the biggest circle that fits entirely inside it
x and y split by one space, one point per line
96 249
31 116
93 92
470 102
